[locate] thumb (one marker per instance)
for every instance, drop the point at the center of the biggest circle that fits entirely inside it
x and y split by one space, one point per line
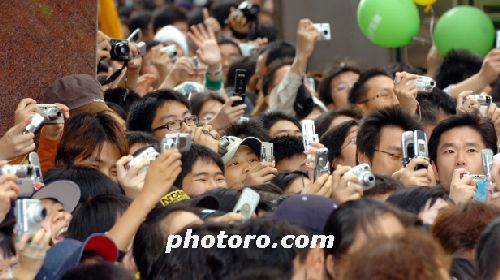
457 174
205 14
19 128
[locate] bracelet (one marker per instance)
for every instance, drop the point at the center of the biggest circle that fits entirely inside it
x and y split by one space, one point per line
216 72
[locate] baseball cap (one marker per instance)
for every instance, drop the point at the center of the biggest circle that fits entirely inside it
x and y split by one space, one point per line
230 144
308 211
66 192
75 91
67 254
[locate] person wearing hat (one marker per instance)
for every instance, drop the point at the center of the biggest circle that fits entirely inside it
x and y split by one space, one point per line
60 199
242 163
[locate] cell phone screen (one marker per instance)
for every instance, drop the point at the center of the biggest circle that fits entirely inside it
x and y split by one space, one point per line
240 86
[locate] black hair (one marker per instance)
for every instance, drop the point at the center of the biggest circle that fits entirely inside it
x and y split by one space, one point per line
271 118
414 199
7 248
251 128
369 132
324 121
287 147
221 10
228 41
140 20
168 16
457 66
325 86
117 109
358 91
278 50
189 158
248 63
98 270
431 103
403 67
140 137
483 126
285 178
143 112
383 185
487 257
198 100
150 234
91 181
334 138
123 97
97 215
354 215
268 80
268 31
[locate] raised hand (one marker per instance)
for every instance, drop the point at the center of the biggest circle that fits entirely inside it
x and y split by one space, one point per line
9 190
307 35
345 187
25 109
131 180
228 115
322 186
260 173
462 188
211 21
31 254
55 131
161 175
208 51
406 91
15 143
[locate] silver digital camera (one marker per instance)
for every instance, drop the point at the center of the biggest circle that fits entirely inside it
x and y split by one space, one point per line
20 170
324 31
179 141
484 102
35 123
149 154
29 215
247 202
51 114
424 83
365 176
171 52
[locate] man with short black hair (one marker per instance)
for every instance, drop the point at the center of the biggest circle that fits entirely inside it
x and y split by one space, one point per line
279 124
289 154
379 144
171 15
455 149
373 90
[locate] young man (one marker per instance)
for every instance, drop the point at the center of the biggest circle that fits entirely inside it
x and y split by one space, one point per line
289 154
455 149
279 124
202 170
373 90
379 144
242 162
162 112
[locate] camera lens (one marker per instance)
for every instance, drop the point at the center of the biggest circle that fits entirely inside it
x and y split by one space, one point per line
36 213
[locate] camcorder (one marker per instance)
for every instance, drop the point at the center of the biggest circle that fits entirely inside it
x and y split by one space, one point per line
321 163
240 86
484 102
247 202
120 49
30 175
266 152
179 141
414 145
29 215
250 11
324 31
365 176
423 83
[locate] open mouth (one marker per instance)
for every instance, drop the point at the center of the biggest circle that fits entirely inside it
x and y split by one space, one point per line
61 234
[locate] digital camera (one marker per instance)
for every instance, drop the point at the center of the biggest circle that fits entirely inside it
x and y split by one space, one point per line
51 114
484 102
171 52
247 202
365 176
20 170
324 31
149 154
120 50
248 49
179 141
35 123
424 83
29 215
250 11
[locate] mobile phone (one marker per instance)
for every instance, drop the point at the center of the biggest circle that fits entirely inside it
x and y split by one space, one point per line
324 31
36 177
247 202
321 163
482 185
308 133
134 36
29 215
266 152
414 145
487 156
179 141
484 102
240 86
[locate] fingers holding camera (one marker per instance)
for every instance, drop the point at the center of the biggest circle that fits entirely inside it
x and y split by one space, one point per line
160 177
15 142
260 173
31 254
345 185
322 186
406 91
9 191
462 187
25 109
410 176
465 105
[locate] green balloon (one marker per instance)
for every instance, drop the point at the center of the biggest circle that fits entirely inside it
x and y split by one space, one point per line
389 23
464 27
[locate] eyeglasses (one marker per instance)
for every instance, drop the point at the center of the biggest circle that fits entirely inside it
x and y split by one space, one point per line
379 95
177 124
392 155
351 140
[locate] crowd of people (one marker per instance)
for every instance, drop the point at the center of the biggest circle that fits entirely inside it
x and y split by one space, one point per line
205 109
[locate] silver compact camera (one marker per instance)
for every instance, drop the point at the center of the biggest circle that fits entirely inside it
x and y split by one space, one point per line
20 170
51 114
324 31
365 176
179 141
248 49
423 83
35 123
247 202
29 214
171 52
148 154
484 102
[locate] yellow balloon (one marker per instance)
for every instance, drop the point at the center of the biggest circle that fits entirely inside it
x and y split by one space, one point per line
426 3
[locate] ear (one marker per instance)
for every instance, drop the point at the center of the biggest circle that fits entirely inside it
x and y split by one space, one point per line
329 267
315 263
435 170
362 158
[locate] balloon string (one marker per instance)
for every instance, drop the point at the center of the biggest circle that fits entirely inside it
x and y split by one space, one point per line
431 26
